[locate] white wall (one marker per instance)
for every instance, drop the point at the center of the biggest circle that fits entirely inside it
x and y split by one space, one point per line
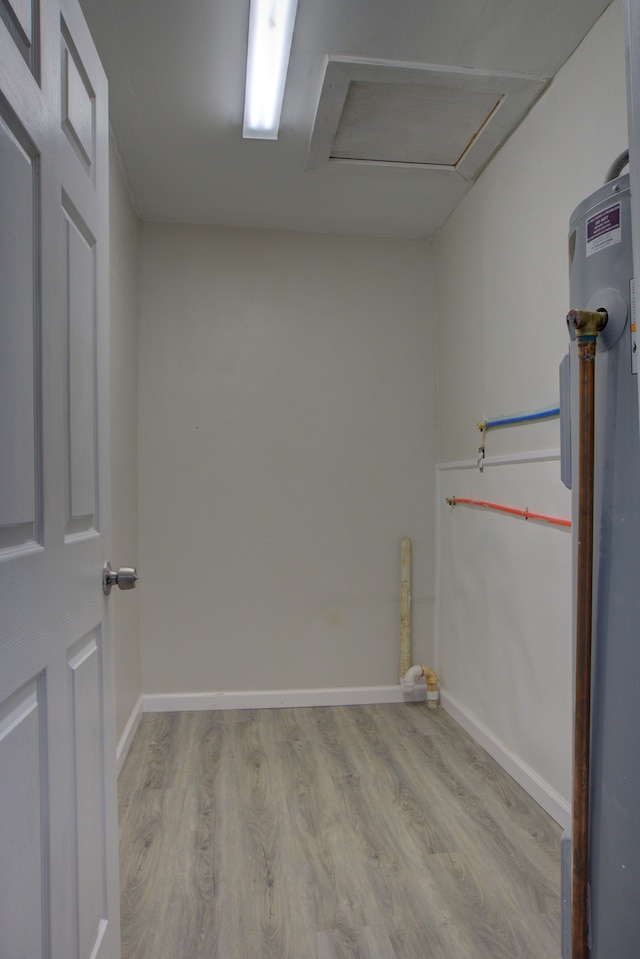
287 443
287 440
124 244
501 270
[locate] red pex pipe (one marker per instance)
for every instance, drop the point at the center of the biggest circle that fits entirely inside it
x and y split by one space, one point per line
554 520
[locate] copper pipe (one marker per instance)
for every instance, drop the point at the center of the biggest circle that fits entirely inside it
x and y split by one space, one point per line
587 326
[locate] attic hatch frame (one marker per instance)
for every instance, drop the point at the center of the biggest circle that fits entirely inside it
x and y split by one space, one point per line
511 97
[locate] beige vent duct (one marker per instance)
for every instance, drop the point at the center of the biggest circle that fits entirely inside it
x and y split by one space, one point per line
405 605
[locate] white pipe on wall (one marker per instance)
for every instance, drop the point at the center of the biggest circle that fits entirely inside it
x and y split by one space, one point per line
412 676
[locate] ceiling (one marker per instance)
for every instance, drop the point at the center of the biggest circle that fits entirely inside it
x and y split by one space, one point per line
391 108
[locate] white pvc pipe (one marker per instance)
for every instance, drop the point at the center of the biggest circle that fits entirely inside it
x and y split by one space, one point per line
413 675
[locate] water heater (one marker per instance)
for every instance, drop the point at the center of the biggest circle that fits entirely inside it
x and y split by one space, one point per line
601 278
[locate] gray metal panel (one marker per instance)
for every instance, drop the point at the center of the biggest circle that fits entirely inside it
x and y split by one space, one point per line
615 752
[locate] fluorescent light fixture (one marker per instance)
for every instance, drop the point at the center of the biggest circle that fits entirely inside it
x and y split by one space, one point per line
270 32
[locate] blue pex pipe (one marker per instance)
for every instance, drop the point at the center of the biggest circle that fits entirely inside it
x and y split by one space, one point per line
524 418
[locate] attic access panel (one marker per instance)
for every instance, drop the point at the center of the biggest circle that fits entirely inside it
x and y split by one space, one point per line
382 113
390 122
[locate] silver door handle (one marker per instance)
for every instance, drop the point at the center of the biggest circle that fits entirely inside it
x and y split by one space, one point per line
123 578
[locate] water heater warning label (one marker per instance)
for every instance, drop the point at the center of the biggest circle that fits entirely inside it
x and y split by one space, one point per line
603 229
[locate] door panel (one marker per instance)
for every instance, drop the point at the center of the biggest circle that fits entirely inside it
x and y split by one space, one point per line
78 100
21 20
21 11
19 363
58 830
80 425
88 788
22 774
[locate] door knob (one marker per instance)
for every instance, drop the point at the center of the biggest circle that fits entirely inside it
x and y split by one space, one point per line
123 578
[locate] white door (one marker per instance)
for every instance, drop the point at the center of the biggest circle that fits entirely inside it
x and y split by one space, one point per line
58 841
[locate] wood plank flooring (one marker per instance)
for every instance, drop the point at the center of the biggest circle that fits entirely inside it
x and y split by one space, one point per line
359 832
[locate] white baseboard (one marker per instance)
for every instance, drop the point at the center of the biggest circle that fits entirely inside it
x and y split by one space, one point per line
544 794
272 699
127 736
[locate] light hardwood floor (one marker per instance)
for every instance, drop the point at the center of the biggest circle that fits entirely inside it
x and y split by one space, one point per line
377 832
